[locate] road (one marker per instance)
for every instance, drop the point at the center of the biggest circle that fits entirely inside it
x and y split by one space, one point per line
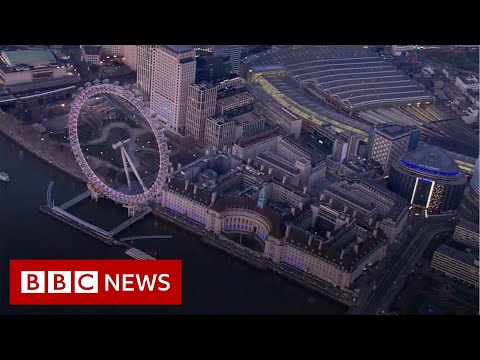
398 264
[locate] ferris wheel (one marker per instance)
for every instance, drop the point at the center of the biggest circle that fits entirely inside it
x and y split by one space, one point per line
123 155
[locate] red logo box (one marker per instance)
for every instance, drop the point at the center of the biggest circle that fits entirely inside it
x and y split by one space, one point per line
95 282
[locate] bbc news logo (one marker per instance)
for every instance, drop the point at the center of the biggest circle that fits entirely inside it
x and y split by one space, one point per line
95 282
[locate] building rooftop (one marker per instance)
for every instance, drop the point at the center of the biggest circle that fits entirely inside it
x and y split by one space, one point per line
278 161
31 58
468 226
179 48
462 256
393 131
92 50
346 257
431 159
231 100
246 118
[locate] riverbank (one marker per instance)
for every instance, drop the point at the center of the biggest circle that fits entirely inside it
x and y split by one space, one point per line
40 145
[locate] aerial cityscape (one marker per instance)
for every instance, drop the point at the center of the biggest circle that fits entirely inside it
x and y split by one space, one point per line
289 179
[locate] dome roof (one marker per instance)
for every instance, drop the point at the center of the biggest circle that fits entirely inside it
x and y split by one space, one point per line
431 159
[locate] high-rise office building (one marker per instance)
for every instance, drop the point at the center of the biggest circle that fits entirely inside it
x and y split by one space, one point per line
234 52
144 67
201 104
173 71
130 55
387 143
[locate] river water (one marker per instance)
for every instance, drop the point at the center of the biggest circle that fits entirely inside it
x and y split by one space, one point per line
213 282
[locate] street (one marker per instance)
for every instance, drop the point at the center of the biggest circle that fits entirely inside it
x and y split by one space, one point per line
394 269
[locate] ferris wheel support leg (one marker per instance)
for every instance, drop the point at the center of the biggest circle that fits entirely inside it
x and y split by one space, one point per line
135 171
125 166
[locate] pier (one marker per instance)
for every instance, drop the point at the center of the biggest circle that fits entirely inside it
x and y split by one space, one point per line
128 222
75 200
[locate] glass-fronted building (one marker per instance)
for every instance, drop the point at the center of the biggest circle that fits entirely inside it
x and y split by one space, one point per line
428 178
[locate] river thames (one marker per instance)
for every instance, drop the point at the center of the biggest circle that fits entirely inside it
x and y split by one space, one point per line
213 282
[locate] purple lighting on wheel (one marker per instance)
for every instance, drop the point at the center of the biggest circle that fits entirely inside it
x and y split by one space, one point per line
157 130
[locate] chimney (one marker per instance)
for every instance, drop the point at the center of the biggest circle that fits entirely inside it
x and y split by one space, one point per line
288 229
320 243
292 210
310 240
377 224
375 233
270 171
214 197
169 179
370 221
329 235
284 179
305 188
249 161
342 253
262 167
354 213
345 208
301 206
195 189
179 166
355 249
322 196
187 182
330 201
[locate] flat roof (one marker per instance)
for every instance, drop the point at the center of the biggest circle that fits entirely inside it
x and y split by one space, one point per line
179 48
464 257
468 226
92 50
246 118
394 130
33 58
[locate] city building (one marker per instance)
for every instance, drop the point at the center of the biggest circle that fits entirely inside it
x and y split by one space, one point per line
212 67
279 116
398 50
248 124
219 132
387 143
338 258
130 56
202 103
234 52
24 66
428 178
222 195
475 180
91 54
144 61
466 83
235 104
370 204
457 264
173 71
114 50
250 147
467 233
